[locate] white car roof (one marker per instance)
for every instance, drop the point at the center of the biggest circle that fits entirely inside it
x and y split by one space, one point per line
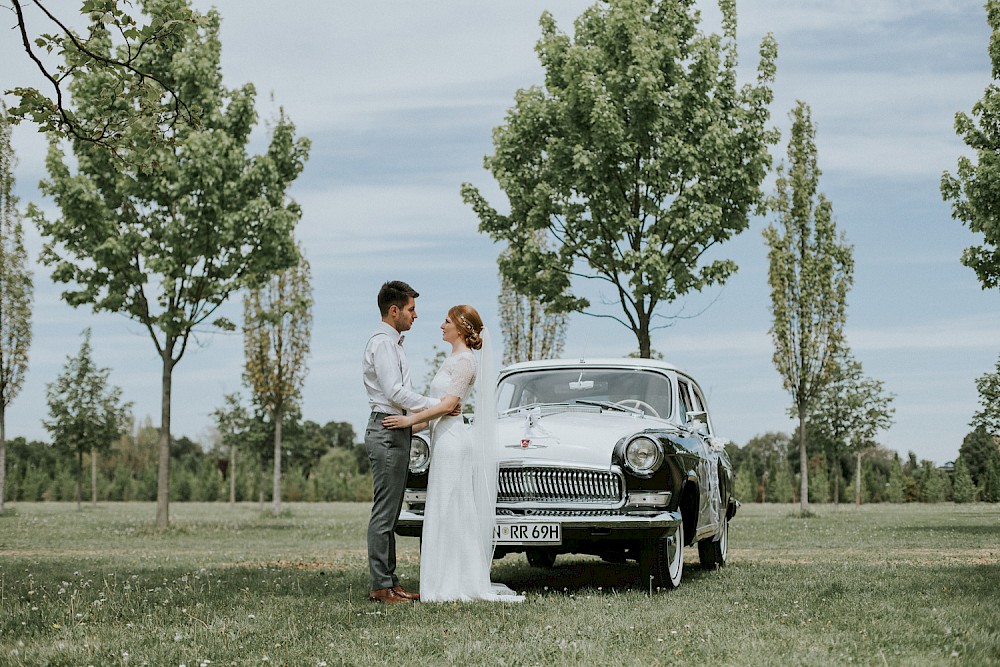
613 362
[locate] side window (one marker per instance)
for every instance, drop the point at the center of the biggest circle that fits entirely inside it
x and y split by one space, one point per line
684 398
700 404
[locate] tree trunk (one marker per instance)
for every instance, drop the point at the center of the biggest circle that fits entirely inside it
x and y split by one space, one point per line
79 478
645 349
836 480
260 484
857 480
276 494
93 476
232 475
3 456
163 476
803 463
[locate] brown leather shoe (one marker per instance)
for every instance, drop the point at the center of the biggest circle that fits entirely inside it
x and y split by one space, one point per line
403 593
385 595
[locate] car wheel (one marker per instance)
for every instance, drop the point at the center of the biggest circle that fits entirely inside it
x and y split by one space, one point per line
661 561
543 558
713 552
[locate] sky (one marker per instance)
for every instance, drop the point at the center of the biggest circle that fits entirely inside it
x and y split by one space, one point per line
400 99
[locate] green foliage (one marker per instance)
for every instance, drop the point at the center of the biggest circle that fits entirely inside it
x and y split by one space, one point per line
165 231
934 484
636 159
15 278
779 483
811 270
15 292
963 488
977 450
988 418
85 413
277 326
745 484
531 330
974 190
819 481
129 132
990 486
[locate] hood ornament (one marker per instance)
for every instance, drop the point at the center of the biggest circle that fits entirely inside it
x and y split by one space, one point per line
533 434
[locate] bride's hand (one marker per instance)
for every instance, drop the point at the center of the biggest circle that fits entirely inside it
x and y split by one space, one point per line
396 421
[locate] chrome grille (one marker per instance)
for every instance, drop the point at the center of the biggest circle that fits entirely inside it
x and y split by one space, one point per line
555 485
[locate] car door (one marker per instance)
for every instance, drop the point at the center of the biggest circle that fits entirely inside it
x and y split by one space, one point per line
710 501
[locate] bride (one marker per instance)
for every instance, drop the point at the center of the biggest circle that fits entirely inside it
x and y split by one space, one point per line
456 549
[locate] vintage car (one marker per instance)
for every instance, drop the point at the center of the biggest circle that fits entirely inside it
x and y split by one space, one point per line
611 457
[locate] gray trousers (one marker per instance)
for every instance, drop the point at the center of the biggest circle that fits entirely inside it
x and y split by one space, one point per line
389 453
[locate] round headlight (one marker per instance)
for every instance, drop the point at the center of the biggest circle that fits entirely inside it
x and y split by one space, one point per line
643 456
420 455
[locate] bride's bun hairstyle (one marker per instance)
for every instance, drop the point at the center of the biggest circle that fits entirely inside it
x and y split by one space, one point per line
469 324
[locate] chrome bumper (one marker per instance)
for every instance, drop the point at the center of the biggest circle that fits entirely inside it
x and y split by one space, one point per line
409 520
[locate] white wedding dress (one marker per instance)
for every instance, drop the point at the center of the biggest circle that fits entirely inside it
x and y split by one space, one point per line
456 549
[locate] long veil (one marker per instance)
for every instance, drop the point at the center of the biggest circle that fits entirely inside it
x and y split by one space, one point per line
487 439
484 432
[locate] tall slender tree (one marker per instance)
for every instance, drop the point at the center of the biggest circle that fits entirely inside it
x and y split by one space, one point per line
167 243
639 157
810 273
15 293
86 414
974 189
531 329
277 326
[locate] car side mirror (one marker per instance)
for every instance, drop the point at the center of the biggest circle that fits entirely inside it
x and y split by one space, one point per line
695 420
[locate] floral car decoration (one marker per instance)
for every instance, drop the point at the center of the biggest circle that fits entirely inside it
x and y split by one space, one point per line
612 457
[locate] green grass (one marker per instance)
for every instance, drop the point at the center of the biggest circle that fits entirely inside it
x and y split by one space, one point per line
879 585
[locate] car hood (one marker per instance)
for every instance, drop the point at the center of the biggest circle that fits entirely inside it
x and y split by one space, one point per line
584 438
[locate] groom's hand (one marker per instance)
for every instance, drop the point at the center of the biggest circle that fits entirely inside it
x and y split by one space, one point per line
395 421
457 411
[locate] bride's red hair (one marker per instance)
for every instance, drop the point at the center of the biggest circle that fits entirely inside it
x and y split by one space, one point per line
469 323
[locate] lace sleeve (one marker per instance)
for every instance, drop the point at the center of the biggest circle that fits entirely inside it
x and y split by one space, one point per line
462 373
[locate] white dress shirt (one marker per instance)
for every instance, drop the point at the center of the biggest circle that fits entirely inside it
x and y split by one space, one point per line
387 375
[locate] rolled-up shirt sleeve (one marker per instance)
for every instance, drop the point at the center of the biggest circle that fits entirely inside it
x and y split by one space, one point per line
389 377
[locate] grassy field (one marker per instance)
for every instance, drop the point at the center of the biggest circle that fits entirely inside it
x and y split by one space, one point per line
877 585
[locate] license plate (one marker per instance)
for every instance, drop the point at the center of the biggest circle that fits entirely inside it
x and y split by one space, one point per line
528 533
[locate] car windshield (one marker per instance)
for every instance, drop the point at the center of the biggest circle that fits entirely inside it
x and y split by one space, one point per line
644 390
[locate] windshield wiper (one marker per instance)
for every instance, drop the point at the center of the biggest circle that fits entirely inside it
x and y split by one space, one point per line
530 406
610 406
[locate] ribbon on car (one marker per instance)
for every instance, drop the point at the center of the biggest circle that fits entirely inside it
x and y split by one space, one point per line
532 431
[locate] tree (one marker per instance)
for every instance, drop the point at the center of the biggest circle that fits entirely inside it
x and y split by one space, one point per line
277 322
233 424
977 450
810 273
126 131
168 245
988 418
530 329
15 293
933 484
849 410
638 157
974 190
963 488
990 486
85 413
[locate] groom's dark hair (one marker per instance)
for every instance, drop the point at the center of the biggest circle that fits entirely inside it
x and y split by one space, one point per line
395 293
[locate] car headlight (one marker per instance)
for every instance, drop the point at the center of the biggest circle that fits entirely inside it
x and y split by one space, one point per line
643 456
420 455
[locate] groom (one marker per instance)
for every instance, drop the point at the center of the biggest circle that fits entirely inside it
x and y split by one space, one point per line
387 382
